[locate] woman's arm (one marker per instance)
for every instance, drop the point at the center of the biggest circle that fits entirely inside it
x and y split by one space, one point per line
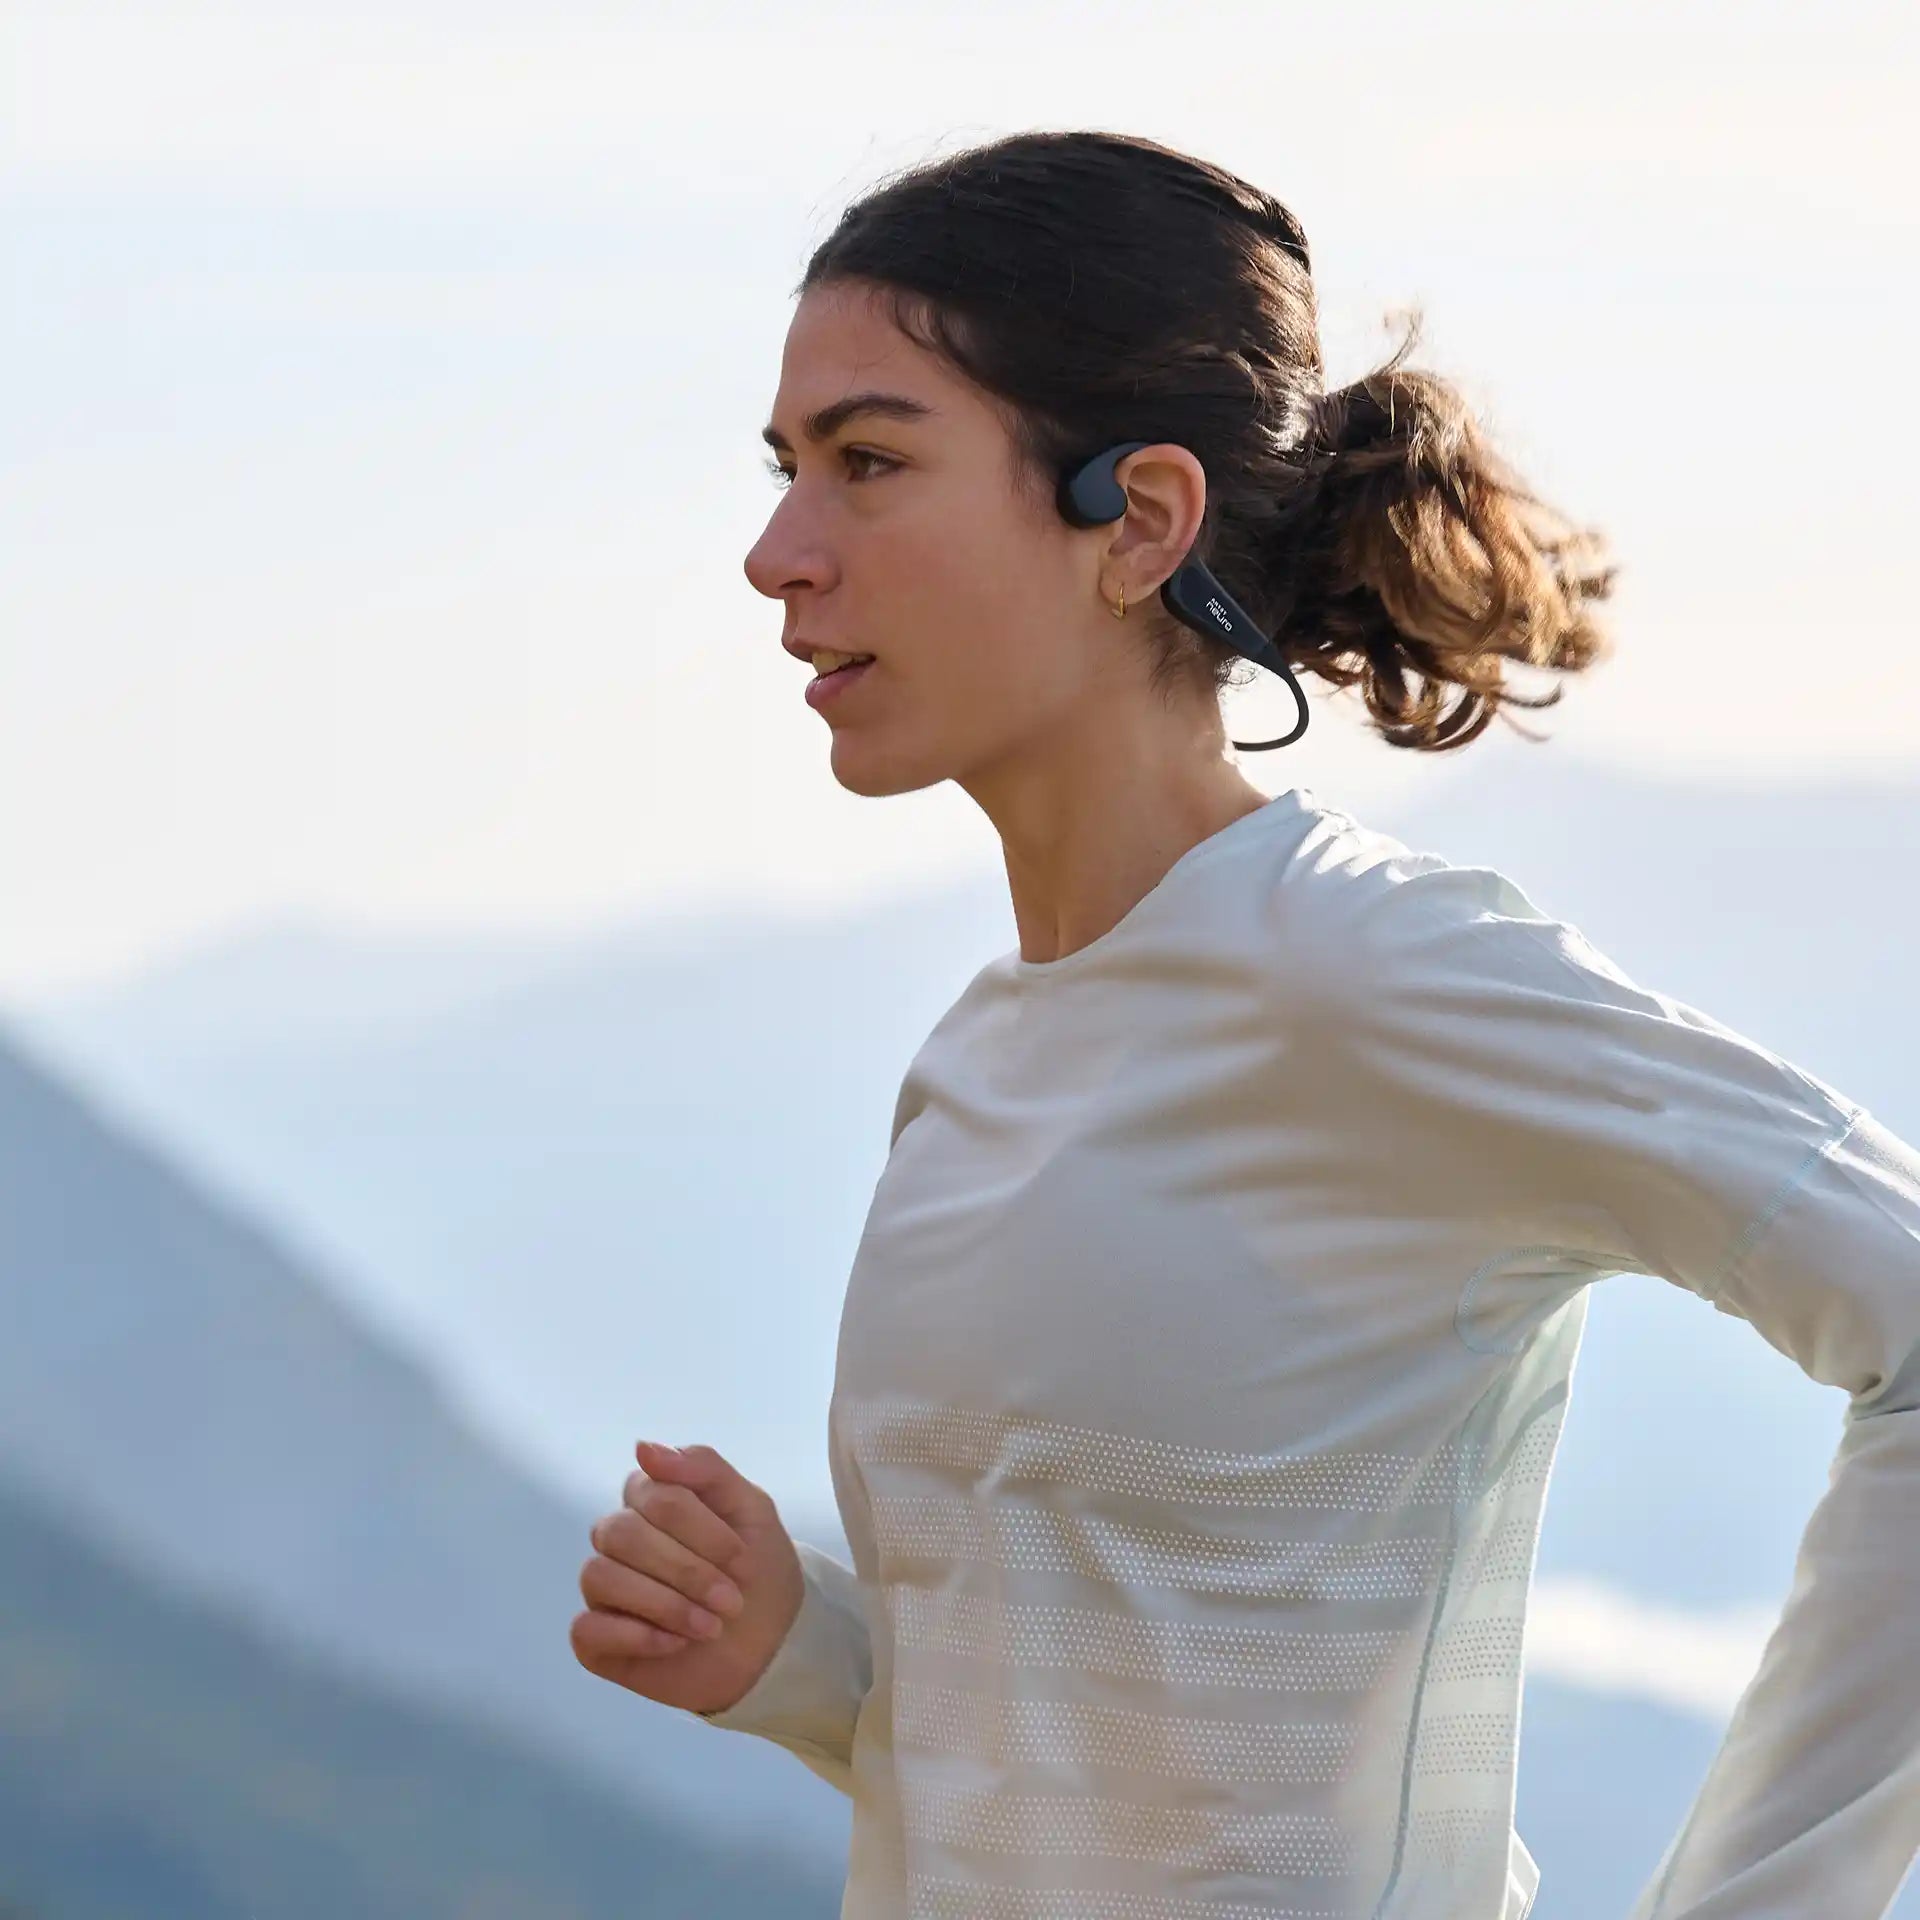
808 1696
1487 1057
1812 1803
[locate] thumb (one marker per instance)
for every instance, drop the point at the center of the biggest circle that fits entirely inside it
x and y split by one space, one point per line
715 1479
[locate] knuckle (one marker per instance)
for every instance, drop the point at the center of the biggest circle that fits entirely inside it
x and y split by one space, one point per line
641 1542
672 1501
580 1636
623 1535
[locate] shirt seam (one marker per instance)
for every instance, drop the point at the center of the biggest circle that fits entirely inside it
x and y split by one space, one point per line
1602 1262
1754 1231
1463 1492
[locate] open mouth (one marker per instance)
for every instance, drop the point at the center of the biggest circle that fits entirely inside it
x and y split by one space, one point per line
825 686
841 660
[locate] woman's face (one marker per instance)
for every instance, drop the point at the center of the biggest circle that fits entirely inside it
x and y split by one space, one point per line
900 534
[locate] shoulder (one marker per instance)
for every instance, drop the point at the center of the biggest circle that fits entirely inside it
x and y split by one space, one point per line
1359 904
967 1026
1372 930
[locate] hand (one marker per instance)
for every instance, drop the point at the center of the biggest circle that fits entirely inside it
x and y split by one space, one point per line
691 1523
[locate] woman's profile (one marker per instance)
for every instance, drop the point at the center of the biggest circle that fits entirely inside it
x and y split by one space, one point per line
1206 1347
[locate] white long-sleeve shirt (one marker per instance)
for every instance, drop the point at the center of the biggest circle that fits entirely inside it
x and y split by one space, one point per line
1200 1374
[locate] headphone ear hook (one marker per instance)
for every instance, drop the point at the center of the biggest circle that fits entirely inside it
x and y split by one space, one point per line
1089 494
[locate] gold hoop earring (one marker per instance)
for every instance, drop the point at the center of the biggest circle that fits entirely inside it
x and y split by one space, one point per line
1120 612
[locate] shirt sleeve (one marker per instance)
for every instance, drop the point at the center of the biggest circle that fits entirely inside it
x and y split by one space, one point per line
808 1696
1495 1059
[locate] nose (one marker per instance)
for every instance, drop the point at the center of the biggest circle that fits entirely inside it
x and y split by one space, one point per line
784 560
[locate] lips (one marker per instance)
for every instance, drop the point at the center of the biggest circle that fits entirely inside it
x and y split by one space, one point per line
825 687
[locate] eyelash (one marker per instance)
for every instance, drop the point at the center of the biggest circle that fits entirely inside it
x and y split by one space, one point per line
783 479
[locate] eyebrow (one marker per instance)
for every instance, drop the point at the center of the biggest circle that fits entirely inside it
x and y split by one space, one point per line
829 420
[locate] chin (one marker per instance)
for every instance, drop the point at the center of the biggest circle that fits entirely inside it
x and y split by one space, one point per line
873 776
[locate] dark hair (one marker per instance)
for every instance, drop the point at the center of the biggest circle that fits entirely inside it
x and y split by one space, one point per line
1100 287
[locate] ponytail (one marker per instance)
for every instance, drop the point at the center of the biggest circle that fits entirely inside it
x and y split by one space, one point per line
1102 287
1417 564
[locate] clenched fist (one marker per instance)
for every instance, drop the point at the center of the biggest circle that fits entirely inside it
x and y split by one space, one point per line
693 1585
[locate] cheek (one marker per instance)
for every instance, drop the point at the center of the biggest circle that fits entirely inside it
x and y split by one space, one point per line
988 599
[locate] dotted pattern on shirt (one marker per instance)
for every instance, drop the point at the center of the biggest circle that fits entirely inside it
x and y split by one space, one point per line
1180 1652
937 1899
1528 1467
1465 1743
1176 1839
1508 1553
966 1724
943 1528
1014 1449
1446 1836
1477 1649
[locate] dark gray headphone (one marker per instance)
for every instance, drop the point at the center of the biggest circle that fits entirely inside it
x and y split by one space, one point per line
1090 496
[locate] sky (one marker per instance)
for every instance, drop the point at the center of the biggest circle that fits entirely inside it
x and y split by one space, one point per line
381 446
383 443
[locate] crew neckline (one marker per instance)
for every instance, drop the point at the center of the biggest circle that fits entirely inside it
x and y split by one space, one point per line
1195 856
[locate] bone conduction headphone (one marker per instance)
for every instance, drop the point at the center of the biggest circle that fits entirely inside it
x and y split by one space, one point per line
1090 496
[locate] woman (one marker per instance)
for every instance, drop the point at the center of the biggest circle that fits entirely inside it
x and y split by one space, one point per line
1205 1351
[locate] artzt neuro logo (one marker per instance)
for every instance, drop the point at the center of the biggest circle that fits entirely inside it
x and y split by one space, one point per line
1219 613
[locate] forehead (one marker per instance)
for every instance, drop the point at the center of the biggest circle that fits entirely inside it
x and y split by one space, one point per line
841 337
843 348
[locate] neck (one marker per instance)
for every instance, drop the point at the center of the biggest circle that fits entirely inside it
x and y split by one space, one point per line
1086 837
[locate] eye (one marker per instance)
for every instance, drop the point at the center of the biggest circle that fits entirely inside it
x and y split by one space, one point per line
884 462
783 476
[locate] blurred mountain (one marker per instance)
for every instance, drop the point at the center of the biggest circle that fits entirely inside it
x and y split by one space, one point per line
614 1190
1604 1783
160 1761
549 1181
549 1188
184 1390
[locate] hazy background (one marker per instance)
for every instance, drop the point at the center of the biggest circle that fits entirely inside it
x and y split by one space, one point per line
411 837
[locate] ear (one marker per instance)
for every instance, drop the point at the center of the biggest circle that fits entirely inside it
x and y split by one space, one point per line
1166 489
